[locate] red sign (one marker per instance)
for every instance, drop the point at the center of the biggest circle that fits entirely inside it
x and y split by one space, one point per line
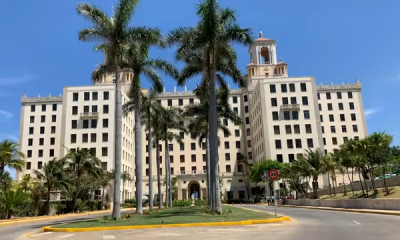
273 174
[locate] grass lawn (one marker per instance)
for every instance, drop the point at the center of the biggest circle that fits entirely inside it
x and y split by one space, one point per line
394 193
173 216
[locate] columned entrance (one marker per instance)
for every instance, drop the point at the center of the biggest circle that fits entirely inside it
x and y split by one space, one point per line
194 188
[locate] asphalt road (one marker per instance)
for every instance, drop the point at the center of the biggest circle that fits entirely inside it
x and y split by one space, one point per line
307 224
11 232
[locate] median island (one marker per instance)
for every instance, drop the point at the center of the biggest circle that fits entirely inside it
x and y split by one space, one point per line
175 215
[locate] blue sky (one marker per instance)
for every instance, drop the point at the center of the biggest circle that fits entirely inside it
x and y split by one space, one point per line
335 41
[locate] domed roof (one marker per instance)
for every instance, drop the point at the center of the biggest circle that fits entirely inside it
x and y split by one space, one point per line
263 39
251 64
281 62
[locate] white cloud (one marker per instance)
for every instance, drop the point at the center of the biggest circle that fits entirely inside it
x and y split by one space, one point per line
10 81
369 112
6 114
8 136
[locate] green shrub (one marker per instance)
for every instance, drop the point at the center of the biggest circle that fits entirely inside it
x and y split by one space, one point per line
200 202
181 203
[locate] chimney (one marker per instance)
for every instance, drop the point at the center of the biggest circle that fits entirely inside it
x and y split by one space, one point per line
261 34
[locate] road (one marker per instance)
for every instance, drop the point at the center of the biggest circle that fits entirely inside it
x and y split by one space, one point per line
307 224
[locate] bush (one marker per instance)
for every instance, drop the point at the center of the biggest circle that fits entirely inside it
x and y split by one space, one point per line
200 202
181 203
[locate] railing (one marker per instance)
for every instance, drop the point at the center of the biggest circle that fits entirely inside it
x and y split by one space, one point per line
194 172
290 106
90 114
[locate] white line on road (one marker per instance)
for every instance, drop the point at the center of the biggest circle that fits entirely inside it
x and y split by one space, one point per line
40 234
67 236
356 222
105 237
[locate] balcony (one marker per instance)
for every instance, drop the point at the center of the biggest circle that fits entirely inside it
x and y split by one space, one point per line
290 106
89 115
194 172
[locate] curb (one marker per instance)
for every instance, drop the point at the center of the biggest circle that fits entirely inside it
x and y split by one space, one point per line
204 224
345 210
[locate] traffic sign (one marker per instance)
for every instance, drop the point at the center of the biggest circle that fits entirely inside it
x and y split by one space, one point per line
273 174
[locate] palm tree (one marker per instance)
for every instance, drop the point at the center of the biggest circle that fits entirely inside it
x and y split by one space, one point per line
216 29
169 118
241 159
314 161
12 200
125 176
329 168
113 34
80 162
136 58
52 174
10 157
104 183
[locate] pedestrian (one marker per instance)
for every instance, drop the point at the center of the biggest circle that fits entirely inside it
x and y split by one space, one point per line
273 200
268 200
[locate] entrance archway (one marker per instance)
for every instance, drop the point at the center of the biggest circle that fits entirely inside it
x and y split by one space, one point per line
194 188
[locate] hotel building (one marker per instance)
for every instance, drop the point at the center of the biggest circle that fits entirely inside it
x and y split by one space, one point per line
282 116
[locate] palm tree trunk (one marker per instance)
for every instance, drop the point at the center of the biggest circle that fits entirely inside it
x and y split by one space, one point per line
384 179
150 146
117 147
167 174
123 191
77 184
361 181
168 170
213 127
48 201
344 186
102 197
138 146
351 182
160 198
334 184
208 169
329 185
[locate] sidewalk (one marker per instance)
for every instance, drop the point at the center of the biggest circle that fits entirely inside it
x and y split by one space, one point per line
371 211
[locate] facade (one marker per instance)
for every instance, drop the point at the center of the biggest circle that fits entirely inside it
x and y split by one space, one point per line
282 116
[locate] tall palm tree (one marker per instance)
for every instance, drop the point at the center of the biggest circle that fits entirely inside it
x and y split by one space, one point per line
241 159
215 31
105 182
314 161
113 34
170 118
52 175
137 60
10 157
126 177
12 200
80 162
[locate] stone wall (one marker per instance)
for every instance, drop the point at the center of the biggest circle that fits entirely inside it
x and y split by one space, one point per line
393 181
377 204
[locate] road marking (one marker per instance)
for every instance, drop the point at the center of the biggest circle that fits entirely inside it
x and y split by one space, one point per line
105 237
67 236
356 222
40 234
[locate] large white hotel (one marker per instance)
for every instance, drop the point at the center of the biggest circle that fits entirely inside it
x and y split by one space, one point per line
282 116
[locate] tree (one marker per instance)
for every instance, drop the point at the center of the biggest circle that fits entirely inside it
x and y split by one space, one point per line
216 29
10 157
241 159
126 177
260 168
81 162
113 34
12 200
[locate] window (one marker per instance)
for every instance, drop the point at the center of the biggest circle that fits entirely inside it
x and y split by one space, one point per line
276 130
29 153
245 98
249 143
291 157
334 140
331 118
74 124
247 120
193 146
298 143
330 107
318 96
227 156
54 107
319 107
225 121
182 158
355 128
283 88
321 118
303 87
306 114
237 133
344 129
105 122
106 95
105 137
94 123
74 110
278 144
86 109
51 153
85 138
351 105
32 119
180 102
93 137
53 129
345 139
296 129
248 132
285 100
295 115
272 88
86 96
40 153
85 124
288 129
39 164
289 143
340 106
105 109
28 165
339 95
43 107
237 144
286 115
250 154
240 168
246 109
328 95
171 159
75 97
33 107
310 143
333 129
293 100
292 87
54 118
279 158
193 157
191 101
182 146
304 101
169 101
73 138
353 117
41 141
226 144
350 94
182 135
342 118
275 116
274 102
234 99
30 141
95 96
236 110
41 130
228 168
308 128
42 118
104 151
